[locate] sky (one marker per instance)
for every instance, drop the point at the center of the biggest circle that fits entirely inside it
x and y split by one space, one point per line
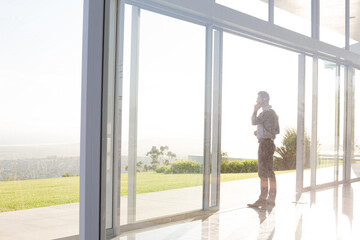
40 79
40 71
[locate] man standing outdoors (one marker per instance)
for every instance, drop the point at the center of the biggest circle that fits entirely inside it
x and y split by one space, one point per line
267 128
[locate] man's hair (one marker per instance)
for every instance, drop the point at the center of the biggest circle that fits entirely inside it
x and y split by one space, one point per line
264 96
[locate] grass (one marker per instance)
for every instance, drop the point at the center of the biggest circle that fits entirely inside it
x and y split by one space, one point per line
16 195
26 194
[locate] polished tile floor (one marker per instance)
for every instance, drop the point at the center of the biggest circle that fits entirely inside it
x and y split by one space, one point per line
332 213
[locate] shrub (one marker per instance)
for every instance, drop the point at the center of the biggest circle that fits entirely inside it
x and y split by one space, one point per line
147 168
250 166
286 159
67 175
183 166
230 166
163 169
237 166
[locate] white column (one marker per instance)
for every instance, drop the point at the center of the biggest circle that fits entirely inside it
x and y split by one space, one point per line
271 11
315 19
216 134
134 79
118 116
207 120
337 122
313 148
349 123
347 24
300 125
90 137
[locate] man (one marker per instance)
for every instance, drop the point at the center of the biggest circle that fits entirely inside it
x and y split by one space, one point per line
267 128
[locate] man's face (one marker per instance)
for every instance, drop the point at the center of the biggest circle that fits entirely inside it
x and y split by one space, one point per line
258 100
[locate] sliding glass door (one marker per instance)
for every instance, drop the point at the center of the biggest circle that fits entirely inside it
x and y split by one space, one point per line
324 122
162 146
245 74
178 99
330 122
154 126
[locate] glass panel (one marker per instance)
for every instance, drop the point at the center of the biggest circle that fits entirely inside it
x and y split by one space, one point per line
308 119
294 15
354 26
254 8
355 163
242 81
170 128
40 101
332 22
329 123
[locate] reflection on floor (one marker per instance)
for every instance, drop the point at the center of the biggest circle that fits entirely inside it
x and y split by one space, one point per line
333 213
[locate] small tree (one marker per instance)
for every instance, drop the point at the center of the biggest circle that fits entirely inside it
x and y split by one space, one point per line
163 149
154 154
170 156
157 156
287 153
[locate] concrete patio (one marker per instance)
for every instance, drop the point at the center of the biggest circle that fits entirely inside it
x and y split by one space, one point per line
62 221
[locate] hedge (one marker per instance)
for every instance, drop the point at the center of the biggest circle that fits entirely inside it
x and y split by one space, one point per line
163 169
237 166
186 166
181 166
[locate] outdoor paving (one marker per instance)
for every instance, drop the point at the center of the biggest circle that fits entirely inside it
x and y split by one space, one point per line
40 223
63 220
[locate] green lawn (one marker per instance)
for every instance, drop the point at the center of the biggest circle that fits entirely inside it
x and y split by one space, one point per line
16 195
26 194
